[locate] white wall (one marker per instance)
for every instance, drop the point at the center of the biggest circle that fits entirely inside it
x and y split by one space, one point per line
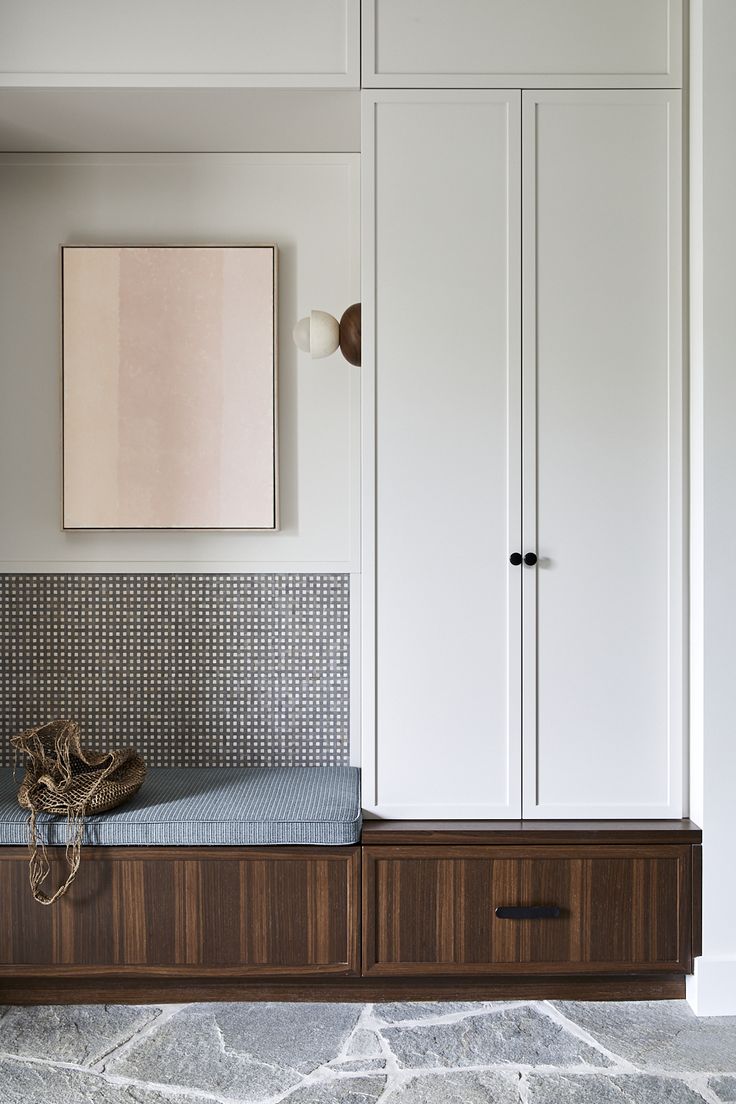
176 120
713 368
308 205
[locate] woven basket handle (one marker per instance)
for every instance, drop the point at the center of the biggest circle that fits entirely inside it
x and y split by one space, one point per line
39 867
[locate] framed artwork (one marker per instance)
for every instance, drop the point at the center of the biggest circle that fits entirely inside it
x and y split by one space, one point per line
169 387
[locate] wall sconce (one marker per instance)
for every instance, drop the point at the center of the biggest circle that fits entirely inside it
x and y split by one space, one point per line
320 334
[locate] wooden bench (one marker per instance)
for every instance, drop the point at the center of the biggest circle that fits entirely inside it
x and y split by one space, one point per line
408 910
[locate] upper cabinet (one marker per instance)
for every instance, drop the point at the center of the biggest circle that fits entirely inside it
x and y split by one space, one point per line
522 43
317 43
180 43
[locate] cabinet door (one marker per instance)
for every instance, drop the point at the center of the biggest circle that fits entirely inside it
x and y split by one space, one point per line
181 43
603 454
527 43
441 379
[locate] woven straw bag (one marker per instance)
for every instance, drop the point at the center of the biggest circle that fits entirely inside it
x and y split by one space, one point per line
64 780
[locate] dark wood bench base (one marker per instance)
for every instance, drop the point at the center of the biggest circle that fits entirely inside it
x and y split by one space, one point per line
416 912
131 990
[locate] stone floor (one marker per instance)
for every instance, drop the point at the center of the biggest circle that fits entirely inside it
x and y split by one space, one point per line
452 1053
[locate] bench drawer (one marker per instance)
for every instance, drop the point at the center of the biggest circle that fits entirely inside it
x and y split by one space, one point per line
617 909
187 911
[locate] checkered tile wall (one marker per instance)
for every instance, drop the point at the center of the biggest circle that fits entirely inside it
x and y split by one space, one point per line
192 670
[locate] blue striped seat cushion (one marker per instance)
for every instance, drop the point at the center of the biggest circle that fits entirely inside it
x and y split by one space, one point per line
212 806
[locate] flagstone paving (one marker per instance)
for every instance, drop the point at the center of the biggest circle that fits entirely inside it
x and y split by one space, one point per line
511 1052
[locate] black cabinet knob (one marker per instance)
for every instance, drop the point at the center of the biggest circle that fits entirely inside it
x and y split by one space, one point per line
530 559
515 558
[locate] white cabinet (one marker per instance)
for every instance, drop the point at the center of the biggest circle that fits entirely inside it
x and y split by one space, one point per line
523 43
603 454
441 330
568 444
181 43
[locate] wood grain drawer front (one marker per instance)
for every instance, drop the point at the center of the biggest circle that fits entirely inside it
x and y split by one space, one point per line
245 911
431 910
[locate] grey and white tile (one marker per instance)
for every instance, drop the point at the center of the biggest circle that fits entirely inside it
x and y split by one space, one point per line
661 1035
363 1043
465 1087
359 1065
346 1090
511 1036
240 1052
192 670
724 1087
37 1083
438 1053
569 1088
79 1034
410 1011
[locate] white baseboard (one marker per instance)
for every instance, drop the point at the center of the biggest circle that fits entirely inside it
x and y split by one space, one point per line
711 990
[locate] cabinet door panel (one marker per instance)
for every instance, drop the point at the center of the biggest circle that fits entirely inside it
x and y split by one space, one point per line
603 447
527 43
181 43
441 331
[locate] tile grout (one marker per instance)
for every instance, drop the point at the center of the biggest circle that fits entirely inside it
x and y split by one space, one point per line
324 1075
163 1015
395 1076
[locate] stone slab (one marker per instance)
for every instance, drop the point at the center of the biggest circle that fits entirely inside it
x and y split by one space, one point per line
514 1036
34 1083
563 1088
659 1035
724 1088
80 1034
348 1090
241 1052
471 1087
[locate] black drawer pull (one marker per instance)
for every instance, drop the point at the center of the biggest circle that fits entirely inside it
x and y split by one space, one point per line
527 912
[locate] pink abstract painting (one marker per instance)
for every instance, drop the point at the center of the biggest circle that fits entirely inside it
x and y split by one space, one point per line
169 387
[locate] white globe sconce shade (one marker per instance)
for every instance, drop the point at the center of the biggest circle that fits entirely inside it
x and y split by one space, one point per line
320 334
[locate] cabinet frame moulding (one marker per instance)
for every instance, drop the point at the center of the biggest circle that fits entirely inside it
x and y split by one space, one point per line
672 77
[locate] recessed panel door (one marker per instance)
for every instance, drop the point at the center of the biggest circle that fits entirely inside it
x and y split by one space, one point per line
603 454
441 378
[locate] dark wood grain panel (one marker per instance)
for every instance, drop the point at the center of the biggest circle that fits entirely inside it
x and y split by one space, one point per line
166 910
556 832
80 933
218 914
697 900
551 881
432 910
128 989
21 914
480 881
